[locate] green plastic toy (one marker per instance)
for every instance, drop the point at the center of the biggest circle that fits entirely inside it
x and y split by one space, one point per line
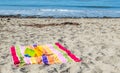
29 52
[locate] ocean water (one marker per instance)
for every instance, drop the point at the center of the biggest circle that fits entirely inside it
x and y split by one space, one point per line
61 8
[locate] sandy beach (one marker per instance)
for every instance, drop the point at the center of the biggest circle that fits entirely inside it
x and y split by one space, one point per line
95 40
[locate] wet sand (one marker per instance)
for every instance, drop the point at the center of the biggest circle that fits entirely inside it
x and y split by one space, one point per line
96 41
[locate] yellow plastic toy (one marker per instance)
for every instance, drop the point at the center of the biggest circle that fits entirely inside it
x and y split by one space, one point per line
38 50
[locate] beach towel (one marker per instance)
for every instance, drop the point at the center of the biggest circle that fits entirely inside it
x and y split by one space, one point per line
42 54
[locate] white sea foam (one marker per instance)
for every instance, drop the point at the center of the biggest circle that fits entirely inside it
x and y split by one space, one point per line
62 13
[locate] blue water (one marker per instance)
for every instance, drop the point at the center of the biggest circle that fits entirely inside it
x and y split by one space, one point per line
61 8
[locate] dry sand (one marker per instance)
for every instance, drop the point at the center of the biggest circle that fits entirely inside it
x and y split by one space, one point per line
96 41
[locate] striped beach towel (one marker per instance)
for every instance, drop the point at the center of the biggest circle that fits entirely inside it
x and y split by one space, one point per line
42 54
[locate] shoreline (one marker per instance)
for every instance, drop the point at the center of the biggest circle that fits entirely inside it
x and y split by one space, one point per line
32 16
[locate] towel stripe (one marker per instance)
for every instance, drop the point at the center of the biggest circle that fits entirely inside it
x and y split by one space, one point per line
14 56
68 52
47 49
61 57
33 60
26 59
51 59
20 55
39 60
64 53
